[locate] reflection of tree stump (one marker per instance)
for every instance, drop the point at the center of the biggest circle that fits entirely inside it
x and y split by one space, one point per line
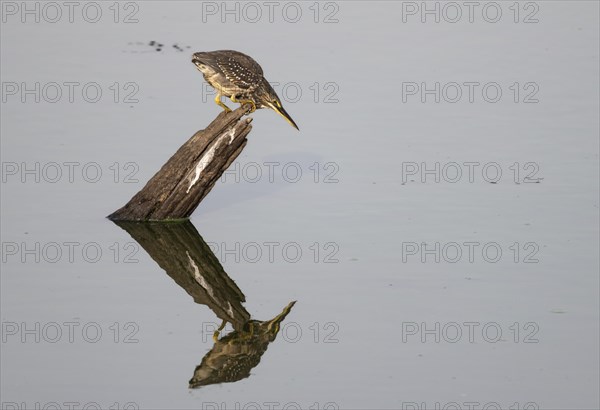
189 175
179 249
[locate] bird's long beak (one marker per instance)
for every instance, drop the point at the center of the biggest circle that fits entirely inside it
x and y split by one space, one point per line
284 114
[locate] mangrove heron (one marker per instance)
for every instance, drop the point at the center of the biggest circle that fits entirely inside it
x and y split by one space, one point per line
237 76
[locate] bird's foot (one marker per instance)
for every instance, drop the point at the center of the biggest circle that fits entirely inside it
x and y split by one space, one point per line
242 102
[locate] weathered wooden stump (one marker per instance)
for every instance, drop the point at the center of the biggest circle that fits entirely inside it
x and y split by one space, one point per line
177 188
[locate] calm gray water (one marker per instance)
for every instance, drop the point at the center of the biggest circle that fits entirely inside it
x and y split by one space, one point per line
435 219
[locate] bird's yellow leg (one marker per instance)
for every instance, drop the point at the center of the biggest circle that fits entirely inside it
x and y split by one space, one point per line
242 102
220 103
216 333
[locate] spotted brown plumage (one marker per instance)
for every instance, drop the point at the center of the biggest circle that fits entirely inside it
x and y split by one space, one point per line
234 356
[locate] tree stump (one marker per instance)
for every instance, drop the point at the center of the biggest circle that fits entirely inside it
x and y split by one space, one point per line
187 177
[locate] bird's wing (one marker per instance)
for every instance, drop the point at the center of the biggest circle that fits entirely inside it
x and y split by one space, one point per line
239 68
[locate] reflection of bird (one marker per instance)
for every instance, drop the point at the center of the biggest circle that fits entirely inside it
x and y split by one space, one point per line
235 355
239 77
